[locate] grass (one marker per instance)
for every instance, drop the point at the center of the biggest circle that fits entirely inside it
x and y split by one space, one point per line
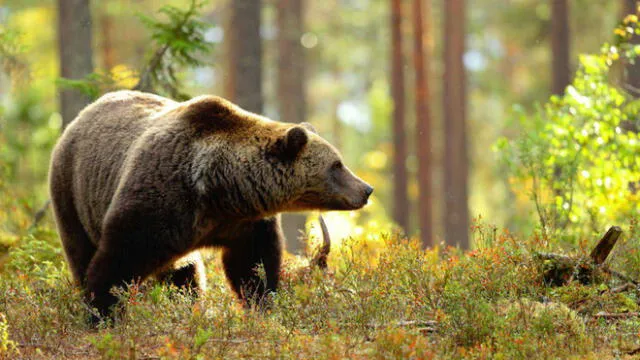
383 297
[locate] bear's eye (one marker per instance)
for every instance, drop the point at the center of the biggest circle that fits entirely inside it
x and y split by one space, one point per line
337 165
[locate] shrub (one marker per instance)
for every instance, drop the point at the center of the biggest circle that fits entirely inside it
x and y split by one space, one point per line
577 154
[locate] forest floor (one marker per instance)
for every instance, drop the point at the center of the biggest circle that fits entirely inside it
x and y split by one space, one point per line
383 297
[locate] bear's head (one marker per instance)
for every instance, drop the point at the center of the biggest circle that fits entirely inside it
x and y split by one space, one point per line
248 165
321 180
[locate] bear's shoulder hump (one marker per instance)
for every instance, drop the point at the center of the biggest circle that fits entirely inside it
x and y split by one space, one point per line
212 113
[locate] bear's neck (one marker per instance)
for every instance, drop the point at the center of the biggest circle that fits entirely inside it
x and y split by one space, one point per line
236 187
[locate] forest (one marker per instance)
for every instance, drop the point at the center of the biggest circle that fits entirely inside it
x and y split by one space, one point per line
502 138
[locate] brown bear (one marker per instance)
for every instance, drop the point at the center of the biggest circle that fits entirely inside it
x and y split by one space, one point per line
139 183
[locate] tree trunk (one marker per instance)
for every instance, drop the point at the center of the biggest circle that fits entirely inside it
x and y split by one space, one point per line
106 29
456 213
291 92
243 83
632 71
423 122
401 203
75 52
291 74
560 46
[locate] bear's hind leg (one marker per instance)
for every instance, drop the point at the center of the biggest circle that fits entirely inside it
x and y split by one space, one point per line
187 273
78 248
261 245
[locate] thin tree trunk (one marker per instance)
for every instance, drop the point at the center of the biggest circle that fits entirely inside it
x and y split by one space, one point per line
336 124
291 69
423 122
632 71
456 213
106 29
291 92
75 52
243 83
560 46
229 45
401 203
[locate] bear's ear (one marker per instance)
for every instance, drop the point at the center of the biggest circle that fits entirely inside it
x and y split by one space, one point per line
309 127
289 146
295 140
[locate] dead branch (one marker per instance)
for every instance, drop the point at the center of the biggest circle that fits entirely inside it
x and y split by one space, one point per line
552 256
605 245
623 288
421 325
40 214
621 276
320 259
613 316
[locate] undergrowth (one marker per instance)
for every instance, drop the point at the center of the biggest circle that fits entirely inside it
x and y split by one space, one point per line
397 302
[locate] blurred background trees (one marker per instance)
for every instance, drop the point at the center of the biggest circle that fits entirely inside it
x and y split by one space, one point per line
414 93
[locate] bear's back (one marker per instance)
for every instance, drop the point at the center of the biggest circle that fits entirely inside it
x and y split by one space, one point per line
92 150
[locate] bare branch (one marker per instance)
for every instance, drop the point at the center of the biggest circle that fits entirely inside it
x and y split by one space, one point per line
320 259
40 214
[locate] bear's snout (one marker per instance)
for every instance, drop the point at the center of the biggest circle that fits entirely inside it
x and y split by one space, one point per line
365 191
368 190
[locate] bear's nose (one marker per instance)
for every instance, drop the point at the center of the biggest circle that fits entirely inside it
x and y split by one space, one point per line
368 190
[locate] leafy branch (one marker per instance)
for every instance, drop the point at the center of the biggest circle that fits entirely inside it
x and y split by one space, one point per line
177 42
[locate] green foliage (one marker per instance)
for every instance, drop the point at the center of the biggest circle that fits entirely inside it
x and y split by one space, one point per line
577 154
30 131
110 347
8 347
12 50
38 254
93 85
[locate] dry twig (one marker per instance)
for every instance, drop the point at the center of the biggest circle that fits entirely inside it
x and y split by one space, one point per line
320 259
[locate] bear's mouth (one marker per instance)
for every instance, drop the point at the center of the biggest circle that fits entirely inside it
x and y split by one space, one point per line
347 204
359 205
317 201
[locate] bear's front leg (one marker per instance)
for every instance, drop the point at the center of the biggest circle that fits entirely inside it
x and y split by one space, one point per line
260 244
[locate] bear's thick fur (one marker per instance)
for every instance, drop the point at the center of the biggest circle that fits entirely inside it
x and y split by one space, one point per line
139 183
